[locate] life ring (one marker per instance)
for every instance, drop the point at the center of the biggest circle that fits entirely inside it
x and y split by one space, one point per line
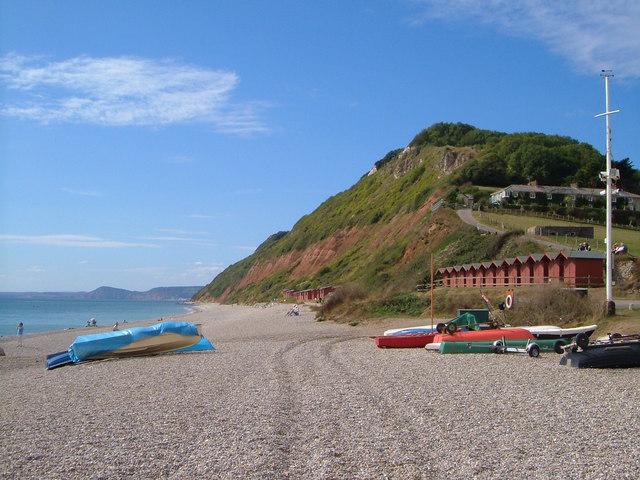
508 302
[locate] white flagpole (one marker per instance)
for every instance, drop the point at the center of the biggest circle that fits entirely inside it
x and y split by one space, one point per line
606 176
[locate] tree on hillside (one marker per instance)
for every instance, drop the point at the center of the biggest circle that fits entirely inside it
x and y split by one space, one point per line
489 170
629 176
454 135
537 162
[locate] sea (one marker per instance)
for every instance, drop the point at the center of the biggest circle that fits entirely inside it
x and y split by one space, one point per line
49 315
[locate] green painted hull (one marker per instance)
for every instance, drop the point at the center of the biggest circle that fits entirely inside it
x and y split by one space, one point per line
486 347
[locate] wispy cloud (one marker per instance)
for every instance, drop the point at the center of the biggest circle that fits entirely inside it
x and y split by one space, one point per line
126 91
591 34
83 193
70 240
201 271
192 240
171 239
201 216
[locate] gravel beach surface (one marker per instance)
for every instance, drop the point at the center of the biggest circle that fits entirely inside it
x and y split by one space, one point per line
288 397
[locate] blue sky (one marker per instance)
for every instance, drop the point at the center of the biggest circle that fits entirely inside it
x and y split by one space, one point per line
154 143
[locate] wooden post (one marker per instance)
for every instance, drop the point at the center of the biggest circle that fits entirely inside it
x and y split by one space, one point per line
432 292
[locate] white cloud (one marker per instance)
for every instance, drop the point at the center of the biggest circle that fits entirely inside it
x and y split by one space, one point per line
591 34
200 271
70 240
83 193
195 241
171 239
125 91
200 216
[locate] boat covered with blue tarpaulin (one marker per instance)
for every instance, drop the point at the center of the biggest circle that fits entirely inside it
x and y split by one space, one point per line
165 337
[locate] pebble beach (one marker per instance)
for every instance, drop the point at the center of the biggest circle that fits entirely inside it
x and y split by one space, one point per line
289 397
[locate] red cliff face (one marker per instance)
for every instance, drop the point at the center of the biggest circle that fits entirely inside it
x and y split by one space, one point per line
309 261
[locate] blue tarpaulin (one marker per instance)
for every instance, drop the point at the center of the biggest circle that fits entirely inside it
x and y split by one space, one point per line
125 342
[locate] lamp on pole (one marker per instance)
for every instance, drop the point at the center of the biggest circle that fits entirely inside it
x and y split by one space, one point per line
608 176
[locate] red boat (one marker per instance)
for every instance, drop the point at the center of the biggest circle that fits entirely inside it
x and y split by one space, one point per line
416 340
420 340
484 335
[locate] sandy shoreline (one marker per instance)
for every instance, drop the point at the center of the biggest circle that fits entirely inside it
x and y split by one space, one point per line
288 397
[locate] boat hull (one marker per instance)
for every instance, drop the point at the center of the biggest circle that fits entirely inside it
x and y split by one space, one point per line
485 335
136 341
487 347
418 340
616 355
410 330
551 332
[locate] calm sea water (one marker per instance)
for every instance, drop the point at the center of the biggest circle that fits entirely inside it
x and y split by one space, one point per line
48 315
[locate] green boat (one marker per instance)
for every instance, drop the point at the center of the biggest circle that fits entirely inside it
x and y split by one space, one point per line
490 347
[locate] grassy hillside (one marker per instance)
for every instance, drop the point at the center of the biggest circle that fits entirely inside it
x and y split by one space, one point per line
380 233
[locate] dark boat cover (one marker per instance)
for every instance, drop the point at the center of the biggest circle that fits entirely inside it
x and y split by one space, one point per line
606 355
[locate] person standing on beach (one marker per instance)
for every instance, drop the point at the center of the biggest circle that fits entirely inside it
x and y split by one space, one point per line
19 332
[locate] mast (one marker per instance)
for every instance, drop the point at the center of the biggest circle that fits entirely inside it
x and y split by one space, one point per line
608 176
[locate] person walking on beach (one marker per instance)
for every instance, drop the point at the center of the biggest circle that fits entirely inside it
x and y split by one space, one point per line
20 332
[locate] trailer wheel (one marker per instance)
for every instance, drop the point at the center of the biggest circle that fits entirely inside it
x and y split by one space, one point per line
533 350
440 327
451 328
558 347
497 346
582 341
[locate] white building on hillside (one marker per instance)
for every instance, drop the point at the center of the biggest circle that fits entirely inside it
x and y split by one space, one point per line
552 194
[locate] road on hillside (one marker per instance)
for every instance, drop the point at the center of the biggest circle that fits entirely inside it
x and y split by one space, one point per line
466 215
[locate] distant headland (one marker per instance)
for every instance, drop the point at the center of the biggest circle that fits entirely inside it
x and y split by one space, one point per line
110 293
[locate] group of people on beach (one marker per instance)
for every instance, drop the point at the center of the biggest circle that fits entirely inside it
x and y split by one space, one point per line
90 323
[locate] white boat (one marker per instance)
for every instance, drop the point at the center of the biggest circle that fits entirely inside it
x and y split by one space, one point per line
552 332
410 330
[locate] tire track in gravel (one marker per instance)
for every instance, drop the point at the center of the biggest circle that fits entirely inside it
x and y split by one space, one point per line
406 435
287 412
